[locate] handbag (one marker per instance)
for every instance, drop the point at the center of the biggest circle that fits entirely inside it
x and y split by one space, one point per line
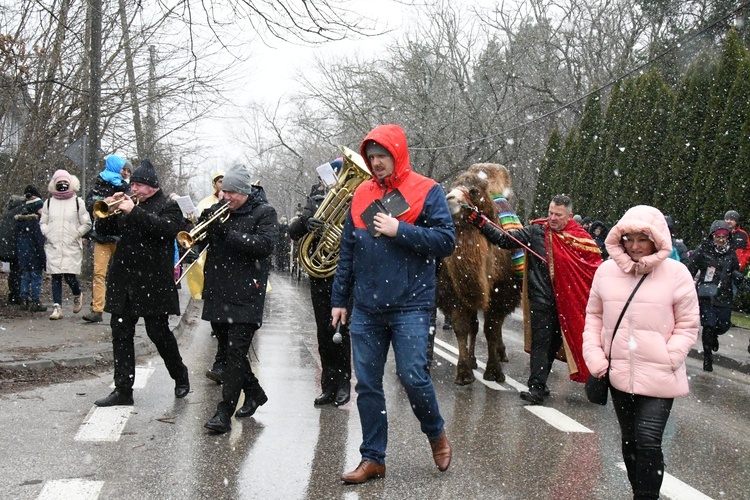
597 388
707 290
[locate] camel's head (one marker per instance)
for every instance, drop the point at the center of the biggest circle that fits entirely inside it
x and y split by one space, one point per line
477 186
470 189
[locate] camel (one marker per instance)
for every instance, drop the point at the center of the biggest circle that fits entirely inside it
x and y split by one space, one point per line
478 276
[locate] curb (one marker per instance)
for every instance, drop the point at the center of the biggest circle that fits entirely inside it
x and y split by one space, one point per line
143 347
723 361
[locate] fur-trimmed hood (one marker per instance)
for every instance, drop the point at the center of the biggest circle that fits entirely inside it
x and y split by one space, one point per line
640 219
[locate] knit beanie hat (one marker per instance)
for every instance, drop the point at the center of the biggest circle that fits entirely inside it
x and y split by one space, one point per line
145 174
31 192
373 148
733 215
237 180
718 226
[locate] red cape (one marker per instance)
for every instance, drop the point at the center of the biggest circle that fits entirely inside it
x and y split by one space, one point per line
572 258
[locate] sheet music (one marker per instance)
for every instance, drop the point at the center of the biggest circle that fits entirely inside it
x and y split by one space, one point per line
189 211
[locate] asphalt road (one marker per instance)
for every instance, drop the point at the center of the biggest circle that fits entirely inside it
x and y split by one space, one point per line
56 444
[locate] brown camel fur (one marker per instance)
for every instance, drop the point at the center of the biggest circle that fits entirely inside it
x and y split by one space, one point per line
478 276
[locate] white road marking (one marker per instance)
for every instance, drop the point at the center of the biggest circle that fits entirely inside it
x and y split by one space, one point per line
64 489
104 424
674 488
477 374
480 364
142 373
557 419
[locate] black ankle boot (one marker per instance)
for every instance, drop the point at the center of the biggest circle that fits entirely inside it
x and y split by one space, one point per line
708 363
221 422
24 304
118 397
251 404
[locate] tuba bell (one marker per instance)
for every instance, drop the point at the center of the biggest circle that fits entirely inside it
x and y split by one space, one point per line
320 258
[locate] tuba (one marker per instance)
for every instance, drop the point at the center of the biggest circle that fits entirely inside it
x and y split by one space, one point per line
320 258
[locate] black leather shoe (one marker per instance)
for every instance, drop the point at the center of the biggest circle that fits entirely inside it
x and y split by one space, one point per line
533 397
116 398
325 398
182 386
216 374
248 409
342 396
221 423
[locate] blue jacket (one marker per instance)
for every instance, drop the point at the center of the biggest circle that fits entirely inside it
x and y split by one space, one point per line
394 274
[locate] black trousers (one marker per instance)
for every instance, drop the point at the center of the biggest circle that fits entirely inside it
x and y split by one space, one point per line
546 339
334 358
642 421
716 320
157 328
239 375
14 282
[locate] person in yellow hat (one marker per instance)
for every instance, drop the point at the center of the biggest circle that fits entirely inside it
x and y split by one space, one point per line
216 180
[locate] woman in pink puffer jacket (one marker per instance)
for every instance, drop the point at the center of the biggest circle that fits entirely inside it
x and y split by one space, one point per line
647 369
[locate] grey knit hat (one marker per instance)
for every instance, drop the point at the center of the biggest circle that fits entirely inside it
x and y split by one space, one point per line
237 180
374 148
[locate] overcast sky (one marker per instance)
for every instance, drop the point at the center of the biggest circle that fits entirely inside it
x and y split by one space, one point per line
271 73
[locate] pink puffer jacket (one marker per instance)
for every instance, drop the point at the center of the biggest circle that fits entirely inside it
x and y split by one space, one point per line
661 322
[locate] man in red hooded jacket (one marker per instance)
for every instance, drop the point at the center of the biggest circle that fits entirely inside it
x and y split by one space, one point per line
387 263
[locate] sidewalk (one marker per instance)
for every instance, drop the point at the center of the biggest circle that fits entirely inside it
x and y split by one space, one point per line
33 341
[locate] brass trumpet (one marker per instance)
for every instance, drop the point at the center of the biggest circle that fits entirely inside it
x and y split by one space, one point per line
188 239
103 209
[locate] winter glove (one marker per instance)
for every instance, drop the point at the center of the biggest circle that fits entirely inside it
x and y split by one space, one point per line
476 217
313 224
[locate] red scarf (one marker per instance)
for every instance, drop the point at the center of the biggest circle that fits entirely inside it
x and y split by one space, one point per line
572 259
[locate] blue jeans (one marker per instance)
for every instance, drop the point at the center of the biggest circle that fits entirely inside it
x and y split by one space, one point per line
72 282
31 284
371 335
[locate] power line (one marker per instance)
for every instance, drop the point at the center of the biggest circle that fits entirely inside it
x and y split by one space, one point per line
677 45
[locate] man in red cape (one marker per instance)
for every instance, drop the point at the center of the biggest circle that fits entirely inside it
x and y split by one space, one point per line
557 282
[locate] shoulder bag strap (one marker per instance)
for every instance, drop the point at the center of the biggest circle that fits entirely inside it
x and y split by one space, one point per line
617 325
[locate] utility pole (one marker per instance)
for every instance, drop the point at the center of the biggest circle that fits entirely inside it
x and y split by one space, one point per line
95 86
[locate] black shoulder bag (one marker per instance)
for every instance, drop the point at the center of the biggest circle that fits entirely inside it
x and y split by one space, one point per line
598 388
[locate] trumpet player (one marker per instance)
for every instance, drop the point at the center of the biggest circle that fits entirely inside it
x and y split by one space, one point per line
335 357
109 182
239 251
141 282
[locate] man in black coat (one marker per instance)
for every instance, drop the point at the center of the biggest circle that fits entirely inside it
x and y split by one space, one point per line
234 289
141 283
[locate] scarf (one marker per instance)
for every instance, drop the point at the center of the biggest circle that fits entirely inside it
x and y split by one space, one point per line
62 195
572 258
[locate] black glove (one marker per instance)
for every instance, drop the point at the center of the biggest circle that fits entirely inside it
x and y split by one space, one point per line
313 224
476 217
218 230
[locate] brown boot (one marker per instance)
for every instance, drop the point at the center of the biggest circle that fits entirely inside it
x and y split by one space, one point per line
442 452
364 471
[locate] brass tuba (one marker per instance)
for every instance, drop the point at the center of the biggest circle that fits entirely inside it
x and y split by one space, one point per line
320 258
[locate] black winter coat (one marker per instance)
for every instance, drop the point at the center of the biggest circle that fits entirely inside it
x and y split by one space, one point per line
140 281
541 293
236 269
726 272
102 189
8 230
30 242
